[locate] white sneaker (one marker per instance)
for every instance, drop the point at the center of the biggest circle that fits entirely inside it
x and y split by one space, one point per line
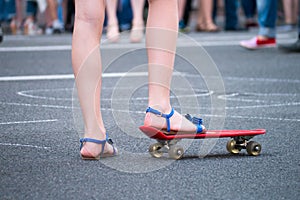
49 31
1 34
57 26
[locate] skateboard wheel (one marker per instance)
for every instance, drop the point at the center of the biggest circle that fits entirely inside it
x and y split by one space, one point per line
253 148
154 150
231 147
176 152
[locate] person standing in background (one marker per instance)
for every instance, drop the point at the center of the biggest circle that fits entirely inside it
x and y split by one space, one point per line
249 7
267 14
1 33
290 9
137 28
16 22
30 26
231 14
53 24
8 13
204 21
181 9
294 47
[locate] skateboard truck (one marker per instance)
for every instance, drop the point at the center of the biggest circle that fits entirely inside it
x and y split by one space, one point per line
236 144
166 146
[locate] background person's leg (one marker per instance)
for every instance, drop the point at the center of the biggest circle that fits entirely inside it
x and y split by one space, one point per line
231 19
205 21
249 7
298 20
267 14
137 29
294 47
113 33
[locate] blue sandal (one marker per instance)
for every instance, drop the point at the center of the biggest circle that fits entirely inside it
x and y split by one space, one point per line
194 120
102 142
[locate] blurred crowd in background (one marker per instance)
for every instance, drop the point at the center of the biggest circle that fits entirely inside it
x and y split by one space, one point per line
36 17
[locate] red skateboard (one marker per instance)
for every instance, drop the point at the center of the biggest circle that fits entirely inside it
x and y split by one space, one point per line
168 143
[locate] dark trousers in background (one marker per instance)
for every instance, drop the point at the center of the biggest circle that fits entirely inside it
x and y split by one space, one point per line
249 7
231 11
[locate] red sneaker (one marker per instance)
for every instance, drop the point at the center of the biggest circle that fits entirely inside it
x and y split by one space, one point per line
256 43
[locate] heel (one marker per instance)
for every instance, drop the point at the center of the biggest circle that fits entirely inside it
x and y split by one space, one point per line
101 142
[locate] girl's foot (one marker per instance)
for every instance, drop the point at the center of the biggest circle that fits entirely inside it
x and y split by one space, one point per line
178 123
94 150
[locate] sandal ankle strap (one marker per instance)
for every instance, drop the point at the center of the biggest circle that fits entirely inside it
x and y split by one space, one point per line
83 140
102 142
167 116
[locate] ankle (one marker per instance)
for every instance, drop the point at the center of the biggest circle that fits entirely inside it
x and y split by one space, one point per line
137 23
162 107
113 23
262 37
98 134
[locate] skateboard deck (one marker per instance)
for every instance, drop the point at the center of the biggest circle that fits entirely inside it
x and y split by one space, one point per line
167 143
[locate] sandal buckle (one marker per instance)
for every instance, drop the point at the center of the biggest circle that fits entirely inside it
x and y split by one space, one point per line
109 141
160 114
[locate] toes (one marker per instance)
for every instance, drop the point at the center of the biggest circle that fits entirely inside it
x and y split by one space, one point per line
203 129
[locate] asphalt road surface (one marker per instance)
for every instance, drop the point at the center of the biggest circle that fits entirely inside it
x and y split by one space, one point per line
229 87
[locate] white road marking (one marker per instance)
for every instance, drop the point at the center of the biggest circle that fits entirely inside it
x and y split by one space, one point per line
71 76
143 112
25 94
138 74
36 105
192 40
67 76
113 46
37 77
28 122
36 48
24 145
271 80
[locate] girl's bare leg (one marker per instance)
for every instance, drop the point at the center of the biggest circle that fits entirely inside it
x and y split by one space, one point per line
112 20
161 38
86 61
